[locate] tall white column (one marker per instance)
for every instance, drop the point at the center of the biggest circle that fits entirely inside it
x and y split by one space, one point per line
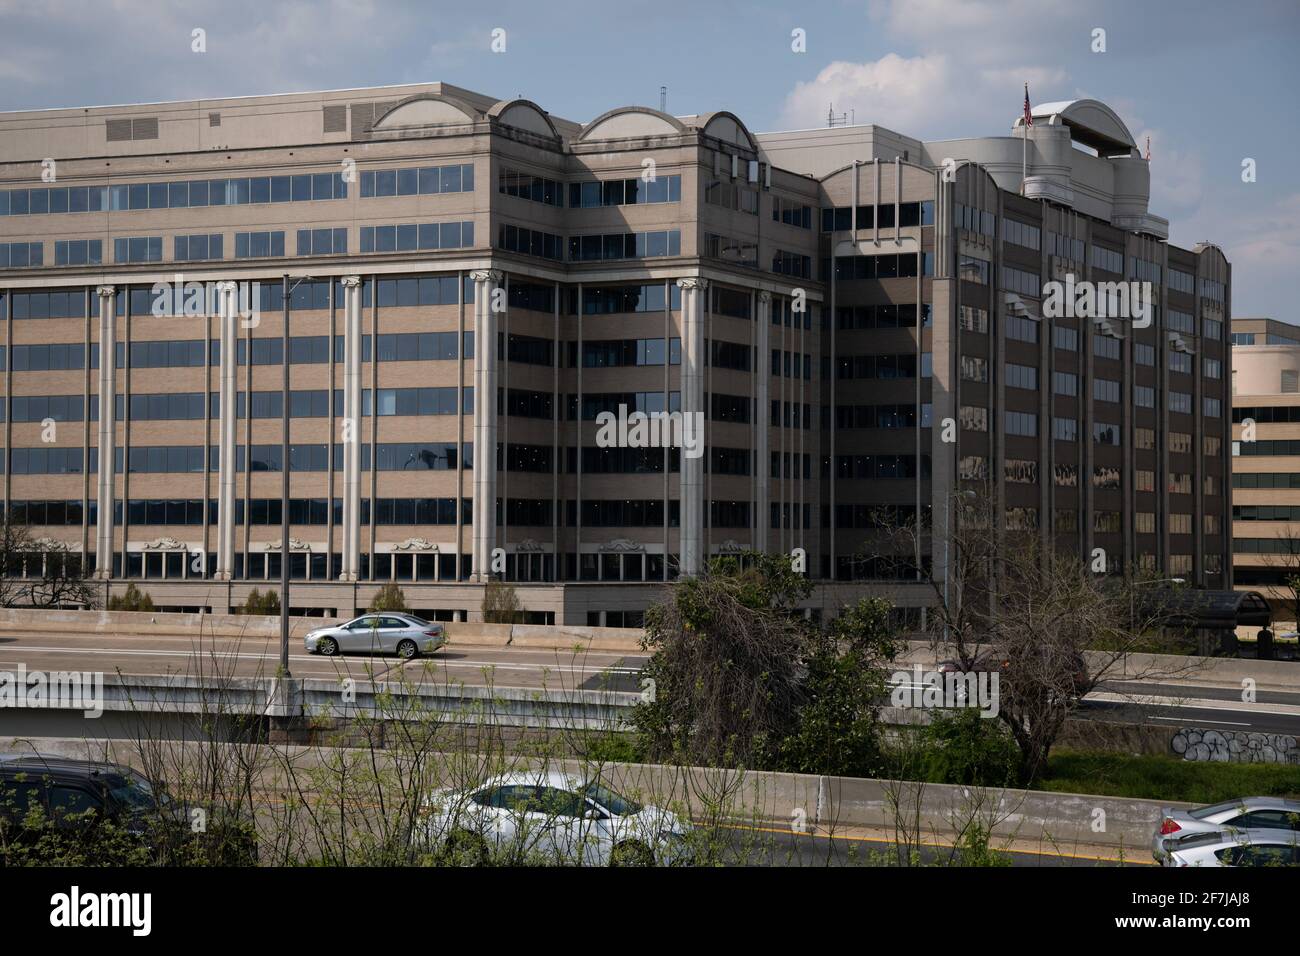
107 432
227 313
485 421
763 370
350 429
692 469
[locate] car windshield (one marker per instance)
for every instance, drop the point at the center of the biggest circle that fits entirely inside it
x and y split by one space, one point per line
1207 812
418 620
616 804
135 793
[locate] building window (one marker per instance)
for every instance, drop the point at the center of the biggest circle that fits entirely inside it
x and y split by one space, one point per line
1021 423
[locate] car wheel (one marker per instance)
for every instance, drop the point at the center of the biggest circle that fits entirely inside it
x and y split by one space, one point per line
466 849
631 853
407 649
327 646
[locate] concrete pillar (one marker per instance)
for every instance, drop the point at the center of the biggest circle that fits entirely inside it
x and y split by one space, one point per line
762 425
227 311
485 421
694 290
107 432
350 429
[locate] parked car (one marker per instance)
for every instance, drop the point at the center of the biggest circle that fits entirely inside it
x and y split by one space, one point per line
67 804
402 634
1231 847
551 817
1248 813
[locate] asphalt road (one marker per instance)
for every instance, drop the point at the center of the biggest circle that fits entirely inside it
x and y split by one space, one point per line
754 846
259 657
1184 703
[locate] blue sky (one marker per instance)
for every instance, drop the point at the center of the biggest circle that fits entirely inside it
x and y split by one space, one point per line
1210 83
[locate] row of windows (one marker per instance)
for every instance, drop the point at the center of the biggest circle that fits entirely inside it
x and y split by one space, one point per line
412 237
863 317
594 404
625 192
611 300
530 242
172 195
1266 512
877 416
614 353
417 181
890 266
625 245
1275 446
880 466
840 219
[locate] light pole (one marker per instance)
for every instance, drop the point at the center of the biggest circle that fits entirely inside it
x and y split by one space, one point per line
285 290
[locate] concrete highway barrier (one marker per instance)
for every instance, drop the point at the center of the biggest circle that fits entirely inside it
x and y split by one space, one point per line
557 637
800 803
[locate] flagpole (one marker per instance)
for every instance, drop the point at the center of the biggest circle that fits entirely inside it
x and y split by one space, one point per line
1024 143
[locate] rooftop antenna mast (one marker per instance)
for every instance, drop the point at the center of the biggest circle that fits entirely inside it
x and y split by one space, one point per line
663 99
837 119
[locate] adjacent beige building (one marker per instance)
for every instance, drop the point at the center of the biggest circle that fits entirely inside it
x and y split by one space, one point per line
1266 460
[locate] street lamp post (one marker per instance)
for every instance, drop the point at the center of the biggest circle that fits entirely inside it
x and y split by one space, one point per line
285 290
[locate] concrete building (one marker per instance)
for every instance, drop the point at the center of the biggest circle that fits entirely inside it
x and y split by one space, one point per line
1266 460
485 275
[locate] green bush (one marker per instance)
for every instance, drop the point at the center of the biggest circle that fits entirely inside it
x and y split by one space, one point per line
1166 778
133 600
963 747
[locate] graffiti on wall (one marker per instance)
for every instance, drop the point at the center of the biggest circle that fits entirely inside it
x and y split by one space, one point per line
1235 746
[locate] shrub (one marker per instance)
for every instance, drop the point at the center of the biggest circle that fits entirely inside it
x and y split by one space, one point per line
389 598
964 748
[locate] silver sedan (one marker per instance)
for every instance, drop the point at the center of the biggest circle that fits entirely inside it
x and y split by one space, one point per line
1253 813
382 633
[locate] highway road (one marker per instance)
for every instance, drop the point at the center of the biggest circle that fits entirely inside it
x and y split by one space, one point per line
1183 703
774 846
187 654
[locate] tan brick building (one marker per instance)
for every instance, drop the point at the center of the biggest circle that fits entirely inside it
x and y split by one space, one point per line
484 274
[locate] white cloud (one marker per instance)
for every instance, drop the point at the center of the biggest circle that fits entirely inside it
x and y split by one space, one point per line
892 91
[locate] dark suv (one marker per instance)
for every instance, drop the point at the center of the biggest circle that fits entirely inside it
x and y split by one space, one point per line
92 812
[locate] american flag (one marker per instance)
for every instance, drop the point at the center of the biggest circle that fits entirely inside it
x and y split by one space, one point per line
1029 116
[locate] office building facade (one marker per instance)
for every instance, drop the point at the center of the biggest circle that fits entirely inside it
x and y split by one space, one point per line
1266 459
858 319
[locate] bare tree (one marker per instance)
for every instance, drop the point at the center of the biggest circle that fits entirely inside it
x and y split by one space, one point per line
40 572
1044 621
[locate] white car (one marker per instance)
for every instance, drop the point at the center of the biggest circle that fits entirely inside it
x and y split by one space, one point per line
551 817
1232 847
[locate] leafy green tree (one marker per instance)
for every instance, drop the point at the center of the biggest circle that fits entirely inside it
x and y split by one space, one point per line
727 663
133 599
501 604
838 727
259 603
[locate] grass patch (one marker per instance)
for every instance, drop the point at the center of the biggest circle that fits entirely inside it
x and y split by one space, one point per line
1166 778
